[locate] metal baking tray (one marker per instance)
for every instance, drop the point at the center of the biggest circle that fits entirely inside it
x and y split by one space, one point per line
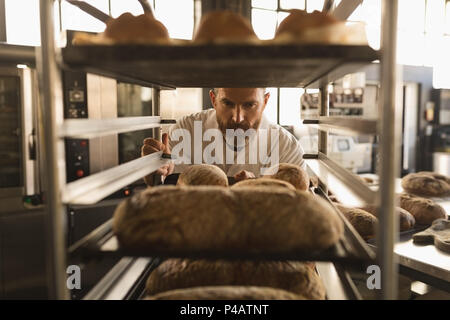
250 65
350 251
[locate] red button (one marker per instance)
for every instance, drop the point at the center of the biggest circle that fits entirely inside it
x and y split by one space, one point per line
80 173
83 143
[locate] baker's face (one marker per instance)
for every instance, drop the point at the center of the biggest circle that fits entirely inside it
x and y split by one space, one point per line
239 108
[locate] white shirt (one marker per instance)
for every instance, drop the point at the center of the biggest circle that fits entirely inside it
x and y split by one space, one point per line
281 146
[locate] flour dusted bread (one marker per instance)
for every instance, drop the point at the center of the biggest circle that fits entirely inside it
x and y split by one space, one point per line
318 27
407 220
128 28
226 293
247 219
299 21
426 184
202 174
295 277
224 27
363 222
291 173
425 211
263 182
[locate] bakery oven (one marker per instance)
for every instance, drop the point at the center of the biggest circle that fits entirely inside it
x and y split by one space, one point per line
90 96
18 153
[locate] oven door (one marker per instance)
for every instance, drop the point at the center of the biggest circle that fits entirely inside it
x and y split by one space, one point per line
18 164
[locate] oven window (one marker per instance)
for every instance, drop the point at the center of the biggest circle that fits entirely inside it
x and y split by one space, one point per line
10 133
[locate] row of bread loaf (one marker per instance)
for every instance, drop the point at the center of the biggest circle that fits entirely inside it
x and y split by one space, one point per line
225 27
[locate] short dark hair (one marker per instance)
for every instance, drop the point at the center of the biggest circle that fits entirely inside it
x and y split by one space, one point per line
215 90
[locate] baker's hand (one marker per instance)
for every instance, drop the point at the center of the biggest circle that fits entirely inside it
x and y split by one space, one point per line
244 175
151 146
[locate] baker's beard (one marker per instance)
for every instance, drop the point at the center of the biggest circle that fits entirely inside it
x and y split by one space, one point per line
245 125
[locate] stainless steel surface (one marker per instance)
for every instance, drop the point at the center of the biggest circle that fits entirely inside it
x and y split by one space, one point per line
156 110
53 152
330 278
102 112
91 10
90 128
424 258
95 187
17 54
328 5
101 290
347 187
146 6
389 139
346 8
128 279
29 165
345 125
324 111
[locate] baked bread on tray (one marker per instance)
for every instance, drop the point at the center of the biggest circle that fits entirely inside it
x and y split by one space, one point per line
296 277
226 293
213 218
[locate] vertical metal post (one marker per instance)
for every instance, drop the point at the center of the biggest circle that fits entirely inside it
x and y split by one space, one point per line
156 111
53 152
387 227
324 110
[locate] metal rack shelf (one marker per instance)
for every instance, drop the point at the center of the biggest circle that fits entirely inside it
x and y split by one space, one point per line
232 65
347 187
93 188
345 125
91 128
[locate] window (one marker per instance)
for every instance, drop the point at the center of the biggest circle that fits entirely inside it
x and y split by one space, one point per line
22 22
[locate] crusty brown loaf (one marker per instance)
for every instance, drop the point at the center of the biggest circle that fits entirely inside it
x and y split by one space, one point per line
247 219
363 222
426 184
425 211
224 25
291 173
128 28
203 174
226 293
407 220
298 21
263 182
295 277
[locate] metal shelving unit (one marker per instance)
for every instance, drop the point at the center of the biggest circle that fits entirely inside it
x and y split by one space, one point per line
190 66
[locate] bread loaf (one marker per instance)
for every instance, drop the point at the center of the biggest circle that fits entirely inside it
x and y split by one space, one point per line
226 293
299 21
291 173
407 220
256 219
425 211
363 222
224 26
263 182
202 174
295 277
426 184
128 28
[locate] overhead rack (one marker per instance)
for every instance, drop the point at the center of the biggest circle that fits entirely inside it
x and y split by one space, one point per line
207 66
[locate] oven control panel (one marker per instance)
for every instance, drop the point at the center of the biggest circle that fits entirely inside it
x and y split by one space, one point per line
75 107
